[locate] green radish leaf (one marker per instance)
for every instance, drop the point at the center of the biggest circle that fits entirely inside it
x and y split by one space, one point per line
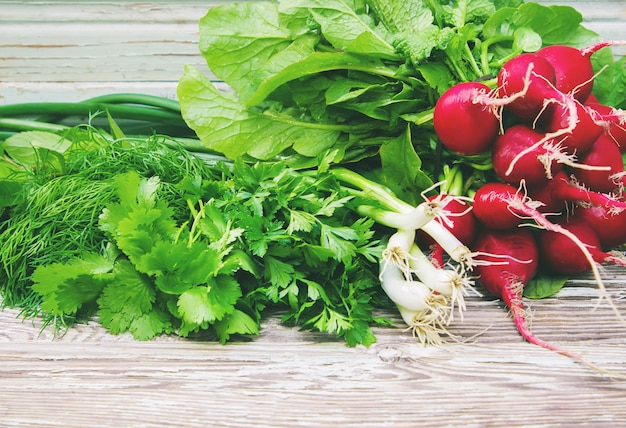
345 28
402 168
527 40
554 24
245 43
459 12
226 126
542 286
609 85
315 63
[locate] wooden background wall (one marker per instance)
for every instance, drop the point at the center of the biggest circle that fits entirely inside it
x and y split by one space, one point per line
71 50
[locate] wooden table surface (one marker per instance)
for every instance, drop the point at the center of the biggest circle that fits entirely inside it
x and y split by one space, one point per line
487 377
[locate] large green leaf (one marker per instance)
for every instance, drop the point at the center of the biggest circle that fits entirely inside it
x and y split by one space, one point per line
244 43
224 124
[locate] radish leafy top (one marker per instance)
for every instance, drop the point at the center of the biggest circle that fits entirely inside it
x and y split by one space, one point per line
334 79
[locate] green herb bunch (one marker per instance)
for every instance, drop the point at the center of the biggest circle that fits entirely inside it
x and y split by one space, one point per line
158 241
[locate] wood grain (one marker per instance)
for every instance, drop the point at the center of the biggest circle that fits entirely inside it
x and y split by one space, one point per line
284 377
70 50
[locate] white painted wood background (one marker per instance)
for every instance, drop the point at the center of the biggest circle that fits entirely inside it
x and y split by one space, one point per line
72 50
63 50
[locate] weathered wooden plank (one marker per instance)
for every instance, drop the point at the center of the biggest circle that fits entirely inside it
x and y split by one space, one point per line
76 50
287 378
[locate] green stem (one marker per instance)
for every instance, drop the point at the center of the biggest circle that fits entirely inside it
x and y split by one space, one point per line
140 99
472 61
459 72
122 98
453 179
197 216
150 114
29 125
425 116
492 83
372 190
484 51
503 60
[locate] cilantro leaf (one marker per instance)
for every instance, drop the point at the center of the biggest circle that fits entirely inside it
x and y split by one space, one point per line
150 325
178 266
66 287
195 310
124 299
238 322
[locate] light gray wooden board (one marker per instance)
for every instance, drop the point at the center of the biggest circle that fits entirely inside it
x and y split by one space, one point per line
285 377
51 50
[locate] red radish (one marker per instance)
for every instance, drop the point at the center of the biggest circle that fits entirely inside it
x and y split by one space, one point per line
603 153
508 280
561 189
582 136
608 224
535 167
491 206
464 120
615 127
531 75
501 206
572 67
560 256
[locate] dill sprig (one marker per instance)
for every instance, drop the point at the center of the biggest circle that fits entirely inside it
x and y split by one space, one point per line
57 217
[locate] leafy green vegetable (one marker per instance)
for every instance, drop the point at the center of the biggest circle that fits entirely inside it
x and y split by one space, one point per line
542 286
338 79
153 240
610 82
50 217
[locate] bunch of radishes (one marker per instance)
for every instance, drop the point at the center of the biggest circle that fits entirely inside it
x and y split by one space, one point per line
558 155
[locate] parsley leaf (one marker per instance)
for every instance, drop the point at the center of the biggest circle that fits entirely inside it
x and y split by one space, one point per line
238 322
